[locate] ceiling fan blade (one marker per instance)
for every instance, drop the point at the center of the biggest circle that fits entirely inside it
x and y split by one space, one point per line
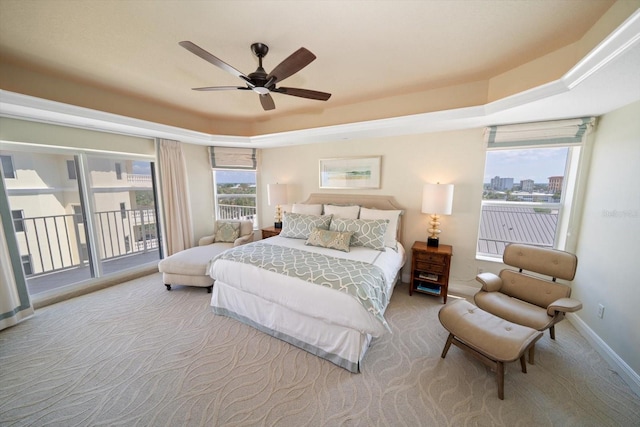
303 93
267 102
292 64
197 50
211 88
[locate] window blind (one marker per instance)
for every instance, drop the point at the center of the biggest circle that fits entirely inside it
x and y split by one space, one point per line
233 158
557 132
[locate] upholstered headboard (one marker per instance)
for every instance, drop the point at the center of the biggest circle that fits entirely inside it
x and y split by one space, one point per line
364 200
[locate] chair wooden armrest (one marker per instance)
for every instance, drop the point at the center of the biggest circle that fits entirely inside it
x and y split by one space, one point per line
564 305
490 282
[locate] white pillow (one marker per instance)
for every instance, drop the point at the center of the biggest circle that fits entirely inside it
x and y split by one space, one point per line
394 221
344 212
301 208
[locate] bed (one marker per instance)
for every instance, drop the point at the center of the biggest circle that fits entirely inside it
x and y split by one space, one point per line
326 301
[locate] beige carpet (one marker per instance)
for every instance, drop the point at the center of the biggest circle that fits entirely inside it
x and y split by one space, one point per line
135 354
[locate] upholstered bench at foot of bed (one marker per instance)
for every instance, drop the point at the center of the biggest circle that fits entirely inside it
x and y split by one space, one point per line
492 340
189 267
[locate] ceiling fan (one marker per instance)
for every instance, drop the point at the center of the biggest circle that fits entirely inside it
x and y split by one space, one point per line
259 81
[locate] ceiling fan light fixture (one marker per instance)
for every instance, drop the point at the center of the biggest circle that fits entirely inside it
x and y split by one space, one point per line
260 90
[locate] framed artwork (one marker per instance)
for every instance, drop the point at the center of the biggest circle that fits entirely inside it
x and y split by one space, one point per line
350 172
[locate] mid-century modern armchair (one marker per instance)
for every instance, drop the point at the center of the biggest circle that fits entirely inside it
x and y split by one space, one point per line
529 300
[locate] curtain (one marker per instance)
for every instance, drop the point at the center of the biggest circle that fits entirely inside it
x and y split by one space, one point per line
233 158
557 132
175 196
14 298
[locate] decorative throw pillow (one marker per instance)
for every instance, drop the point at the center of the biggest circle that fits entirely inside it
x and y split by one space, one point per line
366 232
348 212
392 229
299 226
330 239
227 231
302 208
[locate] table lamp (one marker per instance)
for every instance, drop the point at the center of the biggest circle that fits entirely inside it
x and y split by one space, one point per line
277 195
437 199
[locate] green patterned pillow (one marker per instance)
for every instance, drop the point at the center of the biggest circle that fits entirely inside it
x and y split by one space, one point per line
300 226
227 231
366 232
330 239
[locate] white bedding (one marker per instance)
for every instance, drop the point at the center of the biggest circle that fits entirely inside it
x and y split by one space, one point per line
309 299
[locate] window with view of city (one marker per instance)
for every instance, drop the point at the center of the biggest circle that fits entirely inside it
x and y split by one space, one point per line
522 198
235 195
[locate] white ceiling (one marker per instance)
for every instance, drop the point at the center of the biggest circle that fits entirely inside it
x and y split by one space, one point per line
366 50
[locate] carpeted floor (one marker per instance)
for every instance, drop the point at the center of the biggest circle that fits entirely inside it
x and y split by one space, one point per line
135 354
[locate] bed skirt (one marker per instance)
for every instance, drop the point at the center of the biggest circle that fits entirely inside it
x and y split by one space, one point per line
340 345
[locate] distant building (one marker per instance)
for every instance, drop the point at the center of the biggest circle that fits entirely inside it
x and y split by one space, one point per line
526 185
501 184
555 184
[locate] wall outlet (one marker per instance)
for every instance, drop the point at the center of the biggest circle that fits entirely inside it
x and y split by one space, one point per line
480 271
600 311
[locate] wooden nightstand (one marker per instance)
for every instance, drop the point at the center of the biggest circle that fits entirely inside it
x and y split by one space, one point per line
270 232
430 269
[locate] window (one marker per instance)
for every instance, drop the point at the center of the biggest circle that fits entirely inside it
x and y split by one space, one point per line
7 167
71 169
234 182
26 264
235 194
521 200
123 211
118 171
529 184
18 220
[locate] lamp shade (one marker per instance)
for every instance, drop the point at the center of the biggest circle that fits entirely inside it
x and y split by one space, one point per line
437 199
277 194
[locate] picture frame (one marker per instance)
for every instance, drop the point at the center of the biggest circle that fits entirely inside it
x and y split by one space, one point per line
350 172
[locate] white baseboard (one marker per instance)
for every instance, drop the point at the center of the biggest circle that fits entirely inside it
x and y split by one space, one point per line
620 366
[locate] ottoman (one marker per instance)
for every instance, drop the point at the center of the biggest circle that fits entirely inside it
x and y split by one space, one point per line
189 267
492 340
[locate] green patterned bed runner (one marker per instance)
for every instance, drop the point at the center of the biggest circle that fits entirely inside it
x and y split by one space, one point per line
363 281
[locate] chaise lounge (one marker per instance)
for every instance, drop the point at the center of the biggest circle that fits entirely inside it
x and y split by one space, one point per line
189 267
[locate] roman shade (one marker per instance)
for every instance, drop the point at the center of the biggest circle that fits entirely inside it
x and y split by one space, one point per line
233 158
557 132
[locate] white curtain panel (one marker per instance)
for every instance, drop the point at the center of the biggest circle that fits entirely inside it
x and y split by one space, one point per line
175 195
14 302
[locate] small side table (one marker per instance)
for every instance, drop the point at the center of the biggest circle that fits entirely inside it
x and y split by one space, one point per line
430 269
270 232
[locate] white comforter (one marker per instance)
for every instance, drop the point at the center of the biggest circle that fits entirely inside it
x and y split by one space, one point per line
310 299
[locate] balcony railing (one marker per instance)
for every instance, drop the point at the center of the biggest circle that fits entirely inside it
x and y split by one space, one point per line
57 242
238 212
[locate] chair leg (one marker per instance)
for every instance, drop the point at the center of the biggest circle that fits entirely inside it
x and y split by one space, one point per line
168 286
500 373
523 364
447 345
209 289
552 331
532 351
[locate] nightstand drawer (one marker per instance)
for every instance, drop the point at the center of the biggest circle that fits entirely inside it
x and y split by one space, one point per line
431 258
432 268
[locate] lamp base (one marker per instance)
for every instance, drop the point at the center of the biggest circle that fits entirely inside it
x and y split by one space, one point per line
277 225
433 242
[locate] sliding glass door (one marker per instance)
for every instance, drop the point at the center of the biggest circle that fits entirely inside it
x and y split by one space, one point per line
79 216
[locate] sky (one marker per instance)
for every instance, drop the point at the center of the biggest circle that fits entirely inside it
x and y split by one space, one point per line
537 164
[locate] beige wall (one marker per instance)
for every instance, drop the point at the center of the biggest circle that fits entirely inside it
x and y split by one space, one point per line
408 162
609 236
